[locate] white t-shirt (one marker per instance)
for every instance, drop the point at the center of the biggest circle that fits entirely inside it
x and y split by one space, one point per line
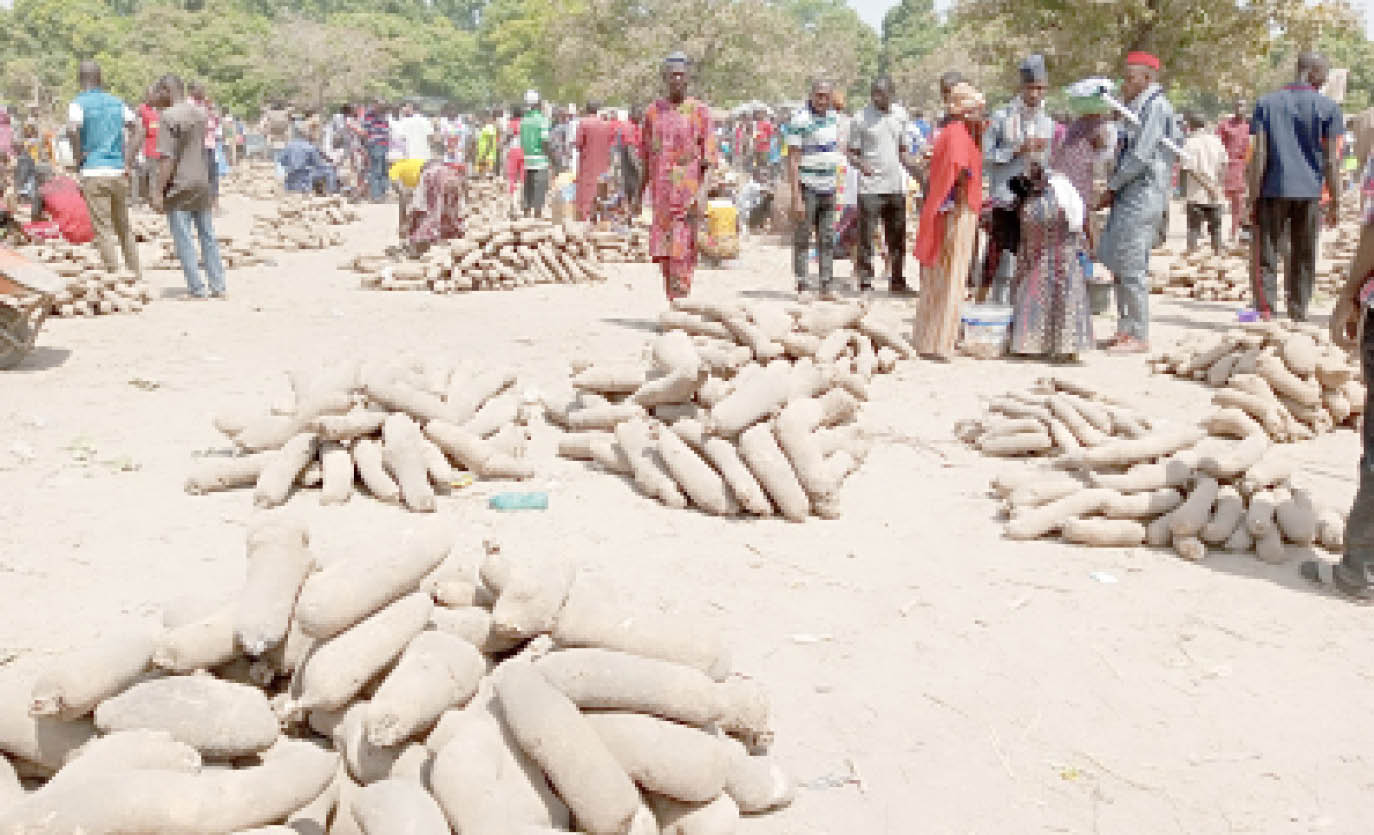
415 131
77 116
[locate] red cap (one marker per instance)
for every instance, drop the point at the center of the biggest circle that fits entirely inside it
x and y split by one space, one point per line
1143 59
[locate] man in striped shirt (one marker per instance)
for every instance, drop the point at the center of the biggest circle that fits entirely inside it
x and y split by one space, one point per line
813 160
377 136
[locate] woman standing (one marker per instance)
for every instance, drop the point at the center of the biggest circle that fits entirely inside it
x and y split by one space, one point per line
1051 315
949 219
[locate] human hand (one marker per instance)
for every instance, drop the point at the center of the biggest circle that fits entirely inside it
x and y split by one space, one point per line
1345 324
1105 201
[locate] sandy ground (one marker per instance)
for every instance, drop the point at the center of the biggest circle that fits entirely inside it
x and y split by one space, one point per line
927 675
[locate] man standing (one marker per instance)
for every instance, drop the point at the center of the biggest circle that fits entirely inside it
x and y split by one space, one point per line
488 145
876 145
534 142
183 187
1297 135
377 136
276 126
101 130
1234 133
679 153
762 137
595 138
1016 133
1136 193
147 169
813 161
415 131
1204 167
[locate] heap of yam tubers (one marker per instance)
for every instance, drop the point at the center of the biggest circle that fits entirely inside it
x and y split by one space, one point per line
1284 379
1205 276
256 179
401 433
90 290
424 691
1221 485
302 221
500 257
1056 417
742 411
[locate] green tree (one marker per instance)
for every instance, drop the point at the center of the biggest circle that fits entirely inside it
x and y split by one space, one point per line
911 31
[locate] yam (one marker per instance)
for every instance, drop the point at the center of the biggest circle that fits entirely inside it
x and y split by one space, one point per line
150 800
1269 547
650 476
1272 468
268 432
397 807
743 486
1331 530
281 470
337 463
1299 352
1123 453
403 454
74 683
592 617
220 719
756 783
399 396
1240 541
1157 533
467 394
1064 440
1297 518
1196 510
1104 533
1174 471
759 449
338 668
703 485
198 645
1259 516
621 378
718 817
1285 382
1337 405
1237 459
482 458
1220 371
578 446
494 414
1227 513
601 679
1144 505
436 671
885 335
1035 523
747 405
530 595
41 740
1354 393
1190 548
664 757
1042 491
358 423
676 358
214 473
1087 434
367 456
609 456
350 589
1016 444
748 334
278 564
1232 423
472 624
568 749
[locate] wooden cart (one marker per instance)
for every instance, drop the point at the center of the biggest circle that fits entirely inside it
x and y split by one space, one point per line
26 291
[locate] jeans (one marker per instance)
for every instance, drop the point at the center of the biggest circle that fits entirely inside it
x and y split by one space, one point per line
180 222
376 171
891 210
1132 305
107 200
1300 219
1356 568
1198 213
536 190
819 214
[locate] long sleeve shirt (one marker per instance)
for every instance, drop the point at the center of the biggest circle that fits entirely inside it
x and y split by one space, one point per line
1008 128
1141 156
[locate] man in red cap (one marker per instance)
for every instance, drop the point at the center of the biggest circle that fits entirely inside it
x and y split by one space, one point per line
1137 194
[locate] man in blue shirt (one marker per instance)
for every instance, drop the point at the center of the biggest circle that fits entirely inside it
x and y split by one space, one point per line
100 128
306 168
1296 150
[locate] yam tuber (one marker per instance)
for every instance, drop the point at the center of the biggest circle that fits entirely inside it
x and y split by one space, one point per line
760 451
281 470
1144 505
743 486
1196 510
703 485
397 807
367 456
602 679
1035 523
1104 533
1297 518
650 476
215 473
664 757
278 564
220 719
73 684
404 457
436 671
1227 513
338 668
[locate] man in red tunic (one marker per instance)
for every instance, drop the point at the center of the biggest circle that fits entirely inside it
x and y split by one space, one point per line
595 138
61 199
1235 137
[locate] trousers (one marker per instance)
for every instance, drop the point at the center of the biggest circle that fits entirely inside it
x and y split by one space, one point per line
107 199
818 209
890 210
1299 218
1199 213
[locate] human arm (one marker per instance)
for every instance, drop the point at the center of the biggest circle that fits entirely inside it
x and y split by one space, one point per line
996 150
166 165
1335 139
1136 162
75 117
1254 170
1345 319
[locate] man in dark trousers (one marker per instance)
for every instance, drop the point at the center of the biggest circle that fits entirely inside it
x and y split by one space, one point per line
877 149
1297 134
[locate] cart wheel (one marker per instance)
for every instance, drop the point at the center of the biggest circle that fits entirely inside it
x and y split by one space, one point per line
13 326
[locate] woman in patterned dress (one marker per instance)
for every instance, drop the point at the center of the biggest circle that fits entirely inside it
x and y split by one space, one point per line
949 219
1051 315
679 149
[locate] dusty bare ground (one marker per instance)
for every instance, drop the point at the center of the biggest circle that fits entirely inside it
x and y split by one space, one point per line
927 675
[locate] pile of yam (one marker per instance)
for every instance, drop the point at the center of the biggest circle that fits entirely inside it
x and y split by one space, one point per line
1055 417
302 221
401 432
1204 275
740 411
499 257
424 690
91 291
150 227
1221 486
1284 379
256 179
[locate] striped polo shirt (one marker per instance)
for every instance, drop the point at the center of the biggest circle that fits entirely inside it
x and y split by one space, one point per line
817 138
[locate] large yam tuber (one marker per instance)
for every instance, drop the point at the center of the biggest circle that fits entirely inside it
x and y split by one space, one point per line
1264 410
702 484
591 617
1174 471
476 455
1240 541
530 595
367 455
436 671
756 783
664 757
759 448
404 456
1087 434
349 590
1299 353
1145 505
338 668
747 405
1285 382
397 807
1237 459
1035 523
650 476
122 750
198 645
41 740
746 489
718 817
359 423
1297 518
885 335
1227 513
1272 469
1015 444
1124 453
219 800
1259 516
220 719
337 464
400 396
74 684
1196 510
267 432
467 394
1269 547
1105 533
282 469
1232 423
214 473
680 366
602 679
278 564
494 414
620 378
555 735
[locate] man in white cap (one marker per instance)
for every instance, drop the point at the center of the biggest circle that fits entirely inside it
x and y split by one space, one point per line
534 142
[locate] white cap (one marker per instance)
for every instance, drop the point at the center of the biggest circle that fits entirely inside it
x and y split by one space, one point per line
531 97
